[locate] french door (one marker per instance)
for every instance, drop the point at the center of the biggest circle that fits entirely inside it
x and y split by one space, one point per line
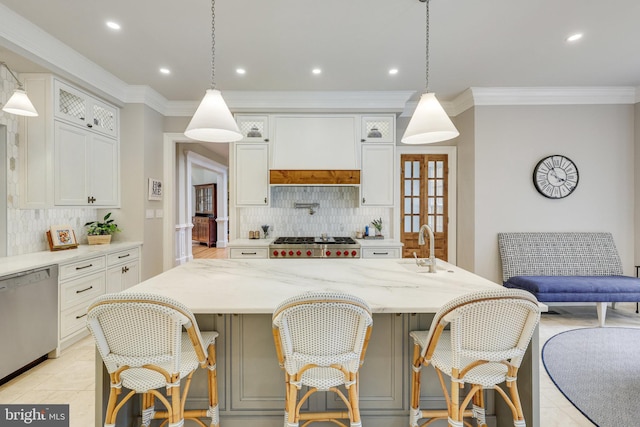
424 200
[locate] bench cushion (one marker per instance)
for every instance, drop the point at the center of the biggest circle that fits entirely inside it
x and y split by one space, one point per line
579 288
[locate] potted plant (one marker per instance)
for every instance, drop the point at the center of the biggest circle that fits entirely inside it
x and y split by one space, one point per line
99 232
377 224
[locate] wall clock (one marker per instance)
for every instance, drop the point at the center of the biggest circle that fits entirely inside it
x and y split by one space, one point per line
555 176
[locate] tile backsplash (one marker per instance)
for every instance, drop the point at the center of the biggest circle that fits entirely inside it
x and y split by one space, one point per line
26 227
338 213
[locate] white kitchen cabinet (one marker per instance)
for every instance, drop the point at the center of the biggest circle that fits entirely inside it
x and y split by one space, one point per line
380 129
87 167
80 283
251 174
249 253
376 176
69 153
80 108
382 252
254 128
123 270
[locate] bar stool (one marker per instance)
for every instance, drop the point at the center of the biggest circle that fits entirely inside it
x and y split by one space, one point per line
321 339
141 340
488 336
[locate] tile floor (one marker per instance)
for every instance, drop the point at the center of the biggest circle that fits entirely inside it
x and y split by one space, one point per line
69 379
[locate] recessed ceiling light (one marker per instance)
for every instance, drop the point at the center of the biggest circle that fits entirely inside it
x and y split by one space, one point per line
165 70
113 25
393 71
316 71
241 71
574 37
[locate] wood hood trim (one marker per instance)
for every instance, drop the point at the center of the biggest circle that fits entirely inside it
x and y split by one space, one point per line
314 177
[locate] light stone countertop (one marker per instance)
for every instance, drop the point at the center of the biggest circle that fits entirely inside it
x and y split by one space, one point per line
258 285
19 263
375 243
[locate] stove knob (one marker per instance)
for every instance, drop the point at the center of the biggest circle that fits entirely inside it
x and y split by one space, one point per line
308 253
290 253
283 253
346 253
275 253
338 253
298 253
354 253
328 253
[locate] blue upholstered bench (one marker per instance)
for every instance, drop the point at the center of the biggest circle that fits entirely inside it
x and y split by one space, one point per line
567 268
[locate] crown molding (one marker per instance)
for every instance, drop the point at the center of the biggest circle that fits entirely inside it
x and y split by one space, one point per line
141 94
554 95
40 47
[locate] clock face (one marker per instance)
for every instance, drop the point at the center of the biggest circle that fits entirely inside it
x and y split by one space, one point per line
555 176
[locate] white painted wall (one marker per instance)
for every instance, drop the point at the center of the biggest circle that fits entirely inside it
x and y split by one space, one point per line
509 141
465 244
637 184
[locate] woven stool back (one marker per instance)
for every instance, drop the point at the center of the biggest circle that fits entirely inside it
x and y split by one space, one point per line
322 328
136 329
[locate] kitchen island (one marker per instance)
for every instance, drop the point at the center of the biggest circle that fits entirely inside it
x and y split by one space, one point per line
237 297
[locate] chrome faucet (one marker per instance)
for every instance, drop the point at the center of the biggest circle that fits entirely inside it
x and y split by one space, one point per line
432 244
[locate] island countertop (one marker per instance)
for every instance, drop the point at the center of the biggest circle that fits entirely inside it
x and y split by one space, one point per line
235 286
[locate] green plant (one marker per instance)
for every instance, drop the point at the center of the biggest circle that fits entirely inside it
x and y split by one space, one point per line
377 224
97 228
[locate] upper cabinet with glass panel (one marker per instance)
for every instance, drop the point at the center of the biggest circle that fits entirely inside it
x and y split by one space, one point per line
80 108
378 129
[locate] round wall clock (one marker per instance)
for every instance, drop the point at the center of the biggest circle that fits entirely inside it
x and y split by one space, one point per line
555 176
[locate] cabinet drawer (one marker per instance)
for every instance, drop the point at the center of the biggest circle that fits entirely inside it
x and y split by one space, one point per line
248 253
82 290
73 320
81 268
381 253
122 256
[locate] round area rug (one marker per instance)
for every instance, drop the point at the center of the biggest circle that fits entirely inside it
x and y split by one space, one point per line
598 370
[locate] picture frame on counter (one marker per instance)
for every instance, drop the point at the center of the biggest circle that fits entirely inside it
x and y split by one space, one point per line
61 237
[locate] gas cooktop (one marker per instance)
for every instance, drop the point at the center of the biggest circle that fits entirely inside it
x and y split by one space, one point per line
314 240
314 247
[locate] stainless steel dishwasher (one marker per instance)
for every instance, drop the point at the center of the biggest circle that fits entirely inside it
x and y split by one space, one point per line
28 317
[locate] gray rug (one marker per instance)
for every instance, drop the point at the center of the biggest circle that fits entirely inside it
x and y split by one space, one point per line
598 370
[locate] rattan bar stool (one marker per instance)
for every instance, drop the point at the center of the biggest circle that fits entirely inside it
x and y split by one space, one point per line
321 339
484 346
144 348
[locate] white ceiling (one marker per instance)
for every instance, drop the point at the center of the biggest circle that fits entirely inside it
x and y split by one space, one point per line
491 43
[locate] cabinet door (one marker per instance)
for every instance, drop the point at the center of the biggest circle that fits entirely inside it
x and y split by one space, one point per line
70 104
252 174
103 165
378 129
253 128
376 184
104 118
122 277
71 159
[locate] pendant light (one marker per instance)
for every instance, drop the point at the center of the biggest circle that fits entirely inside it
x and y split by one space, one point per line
19 103
212 121
429 123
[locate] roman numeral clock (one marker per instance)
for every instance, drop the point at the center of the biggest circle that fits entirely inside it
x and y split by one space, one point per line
555 176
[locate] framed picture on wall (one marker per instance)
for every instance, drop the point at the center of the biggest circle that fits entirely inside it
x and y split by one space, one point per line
155 189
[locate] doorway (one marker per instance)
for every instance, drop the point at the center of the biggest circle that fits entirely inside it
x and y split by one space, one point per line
425 198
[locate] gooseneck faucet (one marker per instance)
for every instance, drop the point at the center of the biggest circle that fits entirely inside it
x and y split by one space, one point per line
432 244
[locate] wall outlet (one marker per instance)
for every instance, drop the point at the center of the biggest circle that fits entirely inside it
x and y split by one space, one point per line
159 213
149 214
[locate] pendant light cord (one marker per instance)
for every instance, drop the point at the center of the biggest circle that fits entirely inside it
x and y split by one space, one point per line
427 48
213 44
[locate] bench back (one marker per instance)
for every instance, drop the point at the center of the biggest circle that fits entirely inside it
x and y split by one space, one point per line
558 254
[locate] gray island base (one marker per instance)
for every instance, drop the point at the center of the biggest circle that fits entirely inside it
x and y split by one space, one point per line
236 298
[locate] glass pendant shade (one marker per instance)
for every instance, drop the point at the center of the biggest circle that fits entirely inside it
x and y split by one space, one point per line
20 104
213 121
429 123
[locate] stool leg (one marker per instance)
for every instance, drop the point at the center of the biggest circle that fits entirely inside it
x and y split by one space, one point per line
212 377
414 412
148 408
478 408
291 402
353 402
